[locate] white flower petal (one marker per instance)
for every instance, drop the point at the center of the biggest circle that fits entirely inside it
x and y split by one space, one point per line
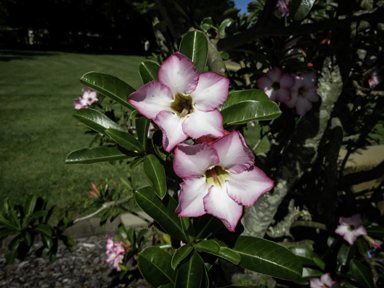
171 126
315 283
245 188
151 99
193 161
219 204
350 237
234 154
191 197
201 123
211 91
179 74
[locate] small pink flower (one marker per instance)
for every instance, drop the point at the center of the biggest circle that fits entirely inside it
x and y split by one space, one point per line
93 193
283 7
303 93
351 228
218 179
89 96
183 103
325 281
80 103
276 85
374 78
115 252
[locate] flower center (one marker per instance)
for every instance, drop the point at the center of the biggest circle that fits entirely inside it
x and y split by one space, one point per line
216 176
275 86
182 105
351 227
303 91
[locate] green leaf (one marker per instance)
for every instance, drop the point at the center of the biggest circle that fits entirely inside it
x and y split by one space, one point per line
123 232
136 162
142 126
157 144
155 266
125 140
149 71
361 273
235 97
345 254
206 24
45 229
29 205
9 224
250 110
96 120
190 273
194 45
162 211
376 231
362 246
180 255
98 154
10 255
208 246
223 26
320 263
230 255
299 9
7 231
110 86
309 273
206 225
267 257
304 254
156 174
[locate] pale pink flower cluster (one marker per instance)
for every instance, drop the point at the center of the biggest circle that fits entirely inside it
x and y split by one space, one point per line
88 97
296 91
218 172
115 252
324 281
283 7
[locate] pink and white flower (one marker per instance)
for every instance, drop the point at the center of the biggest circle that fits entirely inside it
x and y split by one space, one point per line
276 85
351 228
303 93
89 96
93 193
283 7
183 103
80 103
374 78
115 252
219 178
325 281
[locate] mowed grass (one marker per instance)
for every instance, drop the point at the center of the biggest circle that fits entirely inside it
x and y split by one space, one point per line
38 131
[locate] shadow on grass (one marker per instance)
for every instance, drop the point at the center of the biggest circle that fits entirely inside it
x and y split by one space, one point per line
8 55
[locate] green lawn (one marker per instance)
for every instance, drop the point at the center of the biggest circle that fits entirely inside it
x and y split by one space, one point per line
38 131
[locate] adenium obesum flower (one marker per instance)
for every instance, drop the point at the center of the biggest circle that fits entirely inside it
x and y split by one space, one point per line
218 179
93 193
351 228
303 93
115 252
88 97
183 103
374 78
325 281
283 7
276 85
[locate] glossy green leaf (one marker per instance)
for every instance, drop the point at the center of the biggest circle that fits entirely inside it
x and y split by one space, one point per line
362 246
45 229
229 255
96 120
190 273
180 255
142 126
299 9
29 205
206 24
345 254
110 86
361 273
208 246
123 232
320 263
194 45
125 140
309 273
136 162
235 97
376 231
149 71
163 211
98 154
267 257
206 225
223 26
187 225
155 266
250 110
7 231
156 174
304 254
